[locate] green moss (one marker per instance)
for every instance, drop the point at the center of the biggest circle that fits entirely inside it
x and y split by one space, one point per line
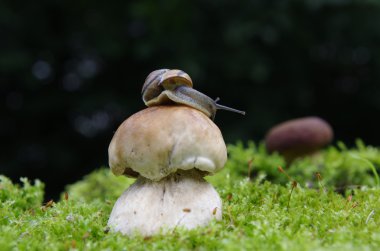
18 199
99 185
340 167
259 213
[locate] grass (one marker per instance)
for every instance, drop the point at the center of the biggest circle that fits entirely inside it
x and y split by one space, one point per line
333 206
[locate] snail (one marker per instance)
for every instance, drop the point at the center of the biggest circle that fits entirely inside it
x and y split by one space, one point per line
167 86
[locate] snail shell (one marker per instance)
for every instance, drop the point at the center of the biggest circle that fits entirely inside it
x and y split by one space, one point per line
174 78
151 88
166 86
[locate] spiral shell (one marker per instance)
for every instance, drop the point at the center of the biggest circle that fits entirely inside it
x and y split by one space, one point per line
160 80
174 78
151 88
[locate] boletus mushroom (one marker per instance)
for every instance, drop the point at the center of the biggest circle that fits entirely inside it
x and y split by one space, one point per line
299 137
169 149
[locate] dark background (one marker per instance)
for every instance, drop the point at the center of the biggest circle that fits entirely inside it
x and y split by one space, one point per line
72 71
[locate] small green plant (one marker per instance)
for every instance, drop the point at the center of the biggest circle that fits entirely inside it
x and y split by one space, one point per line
292 182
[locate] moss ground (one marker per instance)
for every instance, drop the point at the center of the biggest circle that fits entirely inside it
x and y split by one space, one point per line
330 202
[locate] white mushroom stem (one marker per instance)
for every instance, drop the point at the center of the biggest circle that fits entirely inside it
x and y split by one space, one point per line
183 199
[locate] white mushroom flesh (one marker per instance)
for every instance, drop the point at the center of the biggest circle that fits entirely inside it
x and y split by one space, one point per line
183 199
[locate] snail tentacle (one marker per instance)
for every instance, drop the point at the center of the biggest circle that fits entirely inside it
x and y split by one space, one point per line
222 107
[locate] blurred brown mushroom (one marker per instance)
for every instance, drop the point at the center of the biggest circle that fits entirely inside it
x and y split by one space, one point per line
299 137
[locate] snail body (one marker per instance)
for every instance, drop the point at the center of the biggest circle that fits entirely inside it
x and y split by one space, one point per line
175 86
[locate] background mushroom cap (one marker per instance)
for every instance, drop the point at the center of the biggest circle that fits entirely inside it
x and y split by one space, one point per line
298 137
159 140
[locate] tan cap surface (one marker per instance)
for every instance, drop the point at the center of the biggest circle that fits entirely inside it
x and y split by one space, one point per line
298 137
159 140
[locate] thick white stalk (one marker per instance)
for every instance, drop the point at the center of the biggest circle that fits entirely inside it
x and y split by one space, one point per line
182 199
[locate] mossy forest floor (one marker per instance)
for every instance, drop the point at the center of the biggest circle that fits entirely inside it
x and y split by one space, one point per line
329 201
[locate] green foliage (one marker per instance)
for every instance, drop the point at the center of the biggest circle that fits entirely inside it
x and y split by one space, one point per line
257 214
17 198
340 167
99 185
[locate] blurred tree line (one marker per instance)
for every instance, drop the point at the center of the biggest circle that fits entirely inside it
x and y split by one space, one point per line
72 71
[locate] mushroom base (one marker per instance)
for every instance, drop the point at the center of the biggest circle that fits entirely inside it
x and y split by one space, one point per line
183 199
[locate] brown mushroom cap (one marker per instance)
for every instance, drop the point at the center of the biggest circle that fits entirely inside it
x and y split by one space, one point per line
299 137
159 140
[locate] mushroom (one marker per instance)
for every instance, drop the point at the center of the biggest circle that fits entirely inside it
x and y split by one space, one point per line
169 149
299 137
